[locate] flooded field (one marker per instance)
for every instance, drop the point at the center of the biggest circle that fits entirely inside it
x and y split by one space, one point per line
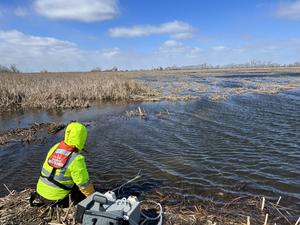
237 136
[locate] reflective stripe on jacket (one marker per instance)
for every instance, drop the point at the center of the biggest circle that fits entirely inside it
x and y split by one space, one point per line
73 173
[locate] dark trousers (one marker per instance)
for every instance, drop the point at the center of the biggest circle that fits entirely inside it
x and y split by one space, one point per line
76 197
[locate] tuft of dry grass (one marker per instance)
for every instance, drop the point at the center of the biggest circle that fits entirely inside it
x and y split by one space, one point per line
217 97
70 90
140 112
137 112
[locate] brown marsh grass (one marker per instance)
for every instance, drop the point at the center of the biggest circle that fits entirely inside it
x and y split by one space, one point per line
67 90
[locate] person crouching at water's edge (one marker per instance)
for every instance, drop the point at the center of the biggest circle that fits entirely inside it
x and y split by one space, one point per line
64 171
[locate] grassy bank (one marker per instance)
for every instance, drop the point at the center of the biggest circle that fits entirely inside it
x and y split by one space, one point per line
70 90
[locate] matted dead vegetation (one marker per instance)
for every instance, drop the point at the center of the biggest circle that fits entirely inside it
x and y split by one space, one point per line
237 211
34 133
143 114
31 133
269 88
15 209
217 97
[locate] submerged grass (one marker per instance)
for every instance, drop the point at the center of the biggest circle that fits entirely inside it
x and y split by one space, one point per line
70 90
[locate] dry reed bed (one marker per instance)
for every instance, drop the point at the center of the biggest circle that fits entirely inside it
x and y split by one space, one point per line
15 209
67 90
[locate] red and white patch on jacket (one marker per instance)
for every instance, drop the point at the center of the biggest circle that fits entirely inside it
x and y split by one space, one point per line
60 156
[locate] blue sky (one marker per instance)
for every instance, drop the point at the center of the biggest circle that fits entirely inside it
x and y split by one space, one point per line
79 35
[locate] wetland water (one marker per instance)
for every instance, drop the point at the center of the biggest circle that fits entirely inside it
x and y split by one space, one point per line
247 144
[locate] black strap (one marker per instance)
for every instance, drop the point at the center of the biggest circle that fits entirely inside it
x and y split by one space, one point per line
51 179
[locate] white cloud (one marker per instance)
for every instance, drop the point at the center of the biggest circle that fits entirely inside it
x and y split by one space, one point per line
109 53
219 48
16 38
180 36
175 28
173 47
172 44
81 10
21 11
289 10
36 53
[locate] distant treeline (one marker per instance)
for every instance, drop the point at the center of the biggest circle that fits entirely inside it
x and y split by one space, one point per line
253 64
10 69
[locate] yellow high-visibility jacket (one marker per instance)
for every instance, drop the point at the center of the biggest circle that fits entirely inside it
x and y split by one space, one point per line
73 173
